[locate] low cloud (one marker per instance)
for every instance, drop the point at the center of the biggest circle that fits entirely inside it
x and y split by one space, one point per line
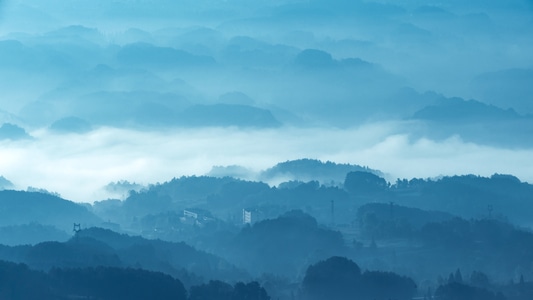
79 166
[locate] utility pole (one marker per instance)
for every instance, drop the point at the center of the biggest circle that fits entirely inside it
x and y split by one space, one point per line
77 228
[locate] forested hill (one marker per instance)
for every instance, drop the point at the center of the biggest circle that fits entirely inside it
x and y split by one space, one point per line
19 208
329 173
210 233
468 196
101 247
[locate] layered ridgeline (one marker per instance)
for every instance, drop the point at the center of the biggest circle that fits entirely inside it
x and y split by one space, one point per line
315 187
213 232
136 64
95 91
21 208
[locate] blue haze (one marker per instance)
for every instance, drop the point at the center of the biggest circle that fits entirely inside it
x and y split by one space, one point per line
146 90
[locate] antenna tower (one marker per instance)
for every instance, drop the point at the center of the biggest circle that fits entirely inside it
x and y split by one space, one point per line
77 228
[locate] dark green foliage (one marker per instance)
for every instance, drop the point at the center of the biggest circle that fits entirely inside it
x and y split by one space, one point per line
522 290
14 253
479 279
18 282
284 245
213 290
100 247
20 208
430 240
426 242
469 196
206 234
381 220
339 278
364 183
313 170
221 194
223 291
386 285
335 278
80 253
148 202
309 196
459 291
492 243
249 291
117 284
458 277
32 233
157 255
191 188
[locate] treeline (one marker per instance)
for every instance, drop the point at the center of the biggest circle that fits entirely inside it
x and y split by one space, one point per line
101 247
191 228
336 278
20 282
96 262
429 243
466 196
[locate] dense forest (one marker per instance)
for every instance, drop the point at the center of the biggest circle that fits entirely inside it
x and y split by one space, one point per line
228 238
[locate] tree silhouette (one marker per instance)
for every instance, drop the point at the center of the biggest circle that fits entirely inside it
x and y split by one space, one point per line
335 278
249 291
215 289
364 182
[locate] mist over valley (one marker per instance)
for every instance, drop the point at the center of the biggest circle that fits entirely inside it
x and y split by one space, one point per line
288 149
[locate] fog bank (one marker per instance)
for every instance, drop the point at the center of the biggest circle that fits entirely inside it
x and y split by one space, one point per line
78 166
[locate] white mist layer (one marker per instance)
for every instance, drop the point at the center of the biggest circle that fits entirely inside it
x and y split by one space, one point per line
79 166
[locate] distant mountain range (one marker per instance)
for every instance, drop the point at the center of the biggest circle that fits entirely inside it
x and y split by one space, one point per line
92 90
474 121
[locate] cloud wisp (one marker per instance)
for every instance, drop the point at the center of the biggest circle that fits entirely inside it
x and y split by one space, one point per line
79 166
